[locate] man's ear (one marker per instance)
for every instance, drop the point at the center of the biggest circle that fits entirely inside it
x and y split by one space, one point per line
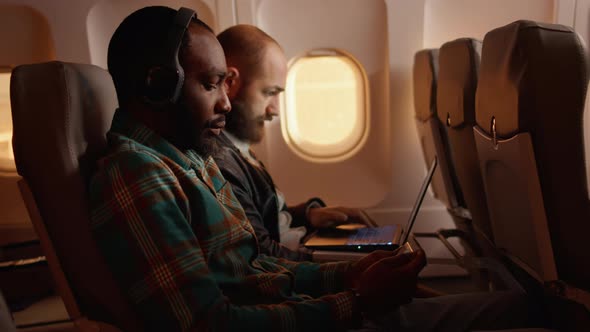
232 82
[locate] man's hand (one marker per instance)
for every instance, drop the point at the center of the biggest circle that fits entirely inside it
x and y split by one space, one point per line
390 282
323 217
357 268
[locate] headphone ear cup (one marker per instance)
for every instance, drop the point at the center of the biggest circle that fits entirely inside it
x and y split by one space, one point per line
161 85
163 82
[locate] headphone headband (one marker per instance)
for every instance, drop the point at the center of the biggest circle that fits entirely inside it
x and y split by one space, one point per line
164 80
179 26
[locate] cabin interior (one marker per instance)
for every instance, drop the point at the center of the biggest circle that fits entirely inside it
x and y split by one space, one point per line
376 90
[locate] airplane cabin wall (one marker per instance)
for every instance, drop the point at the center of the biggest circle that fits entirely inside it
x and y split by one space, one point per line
392 162
361 31
29 29
106 15
411 25
386 174
445 20
72 21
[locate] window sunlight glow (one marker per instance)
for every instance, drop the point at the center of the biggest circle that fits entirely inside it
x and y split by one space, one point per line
326 109
6 155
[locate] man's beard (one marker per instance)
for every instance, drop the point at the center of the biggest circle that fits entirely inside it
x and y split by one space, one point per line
203 142
241 124
206 145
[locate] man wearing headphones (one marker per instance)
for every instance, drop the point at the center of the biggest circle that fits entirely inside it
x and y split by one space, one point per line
171 230
168 224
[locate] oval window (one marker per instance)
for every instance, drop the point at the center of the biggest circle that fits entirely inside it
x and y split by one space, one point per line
326 109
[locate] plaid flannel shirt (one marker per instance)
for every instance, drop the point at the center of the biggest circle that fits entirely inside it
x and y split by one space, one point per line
184 254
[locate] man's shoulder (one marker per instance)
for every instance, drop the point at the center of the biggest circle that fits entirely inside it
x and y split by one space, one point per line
127 166
227 155
127 155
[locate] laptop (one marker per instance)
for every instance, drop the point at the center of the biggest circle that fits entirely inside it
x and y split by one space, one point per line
368 239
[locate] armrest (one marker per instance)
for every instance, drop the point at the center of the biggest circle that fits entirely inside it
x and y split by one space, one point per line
491 264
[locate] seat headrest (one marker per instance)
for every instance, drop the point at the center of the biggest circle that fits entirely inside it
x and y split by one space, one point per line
529 73
425 77
457 81
49 97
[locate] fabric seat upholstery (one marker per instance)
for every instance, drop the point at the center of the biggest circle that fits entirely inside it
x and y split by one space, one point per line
432 134
61 113
530 141
457 82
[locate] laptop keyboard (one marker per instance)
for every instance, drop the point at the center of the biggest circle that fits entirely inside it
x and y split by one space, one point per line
378 235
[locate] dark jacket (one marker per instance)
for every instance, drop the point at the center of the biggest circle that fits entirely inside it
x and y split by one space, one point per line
254 188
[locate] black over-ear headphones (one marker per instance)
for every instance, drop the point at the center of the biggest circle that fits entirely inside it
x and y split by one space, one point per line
164 80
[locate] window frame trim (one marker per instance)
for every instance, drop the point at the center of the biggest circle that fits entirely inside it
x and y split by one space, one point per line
360 142
5 166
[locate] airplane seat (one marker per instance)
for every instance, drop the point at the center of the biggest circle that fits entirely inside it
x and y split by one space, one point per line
457 82
434 140
459 62
530 141
432 134
61 113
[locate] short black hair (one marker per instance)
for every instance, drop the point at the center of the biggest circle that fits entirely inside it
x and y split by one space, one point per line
136 45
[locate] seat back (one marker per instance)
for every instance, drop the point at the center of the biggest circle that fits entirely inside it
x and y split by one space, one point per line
61 113
530 142
455 100
432 135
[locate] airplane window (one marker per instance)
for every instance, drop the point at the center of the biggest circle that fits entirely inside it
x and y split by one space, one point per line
326 111
6 155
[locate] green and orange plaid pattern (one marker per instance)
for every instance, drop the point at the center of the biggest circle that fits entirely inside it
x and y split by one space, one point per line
179 244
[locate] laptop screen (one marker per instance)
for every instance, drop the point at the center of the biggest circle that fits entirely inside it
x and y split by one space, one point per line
369 239
418 202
